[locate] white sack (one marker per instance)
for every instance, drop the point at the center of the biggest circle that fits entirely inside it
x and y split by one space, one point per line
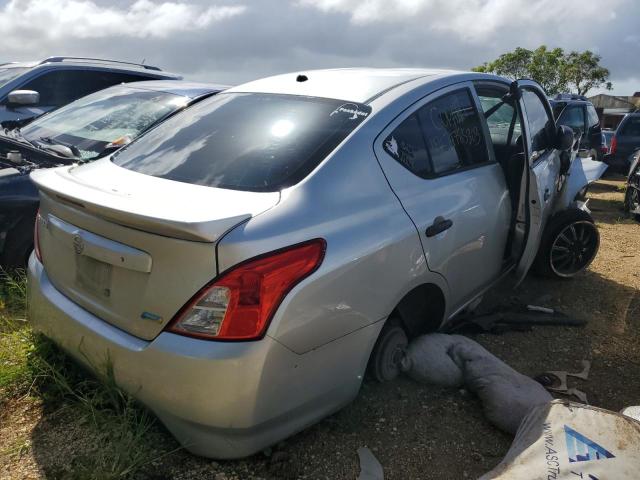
571 441
455 361
427 360
507 395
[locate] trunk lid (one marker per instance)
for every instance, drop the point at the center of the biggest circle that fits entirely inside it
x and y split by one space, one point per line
131 248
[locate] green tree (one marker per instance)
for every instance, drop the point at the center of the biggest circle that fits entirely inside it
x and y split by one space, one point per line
554 70
512 65
584 72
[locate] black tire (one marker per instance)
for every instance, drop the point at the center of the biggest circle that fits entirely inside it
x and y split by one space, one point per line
18 244
631 199
569 245
388 352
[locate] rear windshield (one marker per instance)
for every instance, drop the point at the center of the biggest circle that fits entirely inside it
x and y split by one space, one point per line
631 127
244 141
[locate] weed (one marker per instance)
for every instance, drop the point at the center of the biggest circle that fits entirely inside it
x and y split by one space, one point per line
30 364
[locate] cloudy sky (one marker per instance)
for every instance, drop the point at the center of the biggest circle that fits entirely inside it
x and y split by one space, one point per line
232 42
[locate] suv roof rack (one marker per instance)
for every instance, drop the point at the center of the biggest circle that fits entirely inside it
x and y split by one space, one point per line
101 60
570 96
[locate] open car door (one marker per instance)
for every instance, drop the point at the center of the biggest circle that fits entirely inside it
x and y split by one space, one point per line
541 178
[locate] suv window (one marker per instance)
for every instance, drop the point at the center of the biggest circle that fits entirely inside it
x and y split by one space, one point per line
59 87
8 74
244 141
540 123
573 116
592 116
449 128
631 127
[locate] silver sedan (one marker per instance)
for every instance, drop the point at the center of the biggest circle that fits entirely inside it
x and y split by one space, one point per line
246 262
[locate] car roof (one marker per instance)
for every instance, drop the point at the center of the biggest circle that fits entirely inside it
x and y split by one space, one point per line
107 64
177 87
359 85
555 101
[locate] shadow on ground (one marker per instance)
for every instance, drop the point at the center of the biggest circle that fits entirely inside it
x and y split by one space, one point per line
423 432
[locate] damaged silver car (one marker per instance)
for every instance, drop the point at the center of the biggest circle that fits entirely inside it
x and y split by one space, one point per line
243 263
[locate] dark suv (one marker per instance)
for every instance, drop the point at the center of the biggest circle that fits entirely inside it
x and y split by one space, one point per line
577 112
624 143
29 89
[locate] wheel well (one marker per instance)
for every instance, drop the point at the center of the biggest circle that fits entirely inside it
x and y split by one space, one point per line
421 310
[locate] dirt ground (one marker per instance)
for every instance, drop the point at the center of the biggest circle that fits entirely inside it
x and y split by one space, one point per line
416 432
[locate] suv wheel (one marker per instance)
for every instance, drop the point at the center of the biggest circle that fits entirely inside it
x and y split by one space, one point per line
388 352
631 200
569 244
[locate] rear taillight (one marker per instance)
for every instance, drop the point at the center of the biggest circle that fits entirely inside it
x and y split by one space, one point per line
240 304
36 237
614 145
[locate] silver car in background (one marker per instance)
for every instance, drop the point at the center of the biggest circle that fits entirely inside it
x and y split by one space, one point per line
243 263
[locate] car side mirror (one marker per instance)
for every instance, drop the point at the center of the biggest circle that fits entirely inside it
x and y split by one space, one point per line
564 138
23 98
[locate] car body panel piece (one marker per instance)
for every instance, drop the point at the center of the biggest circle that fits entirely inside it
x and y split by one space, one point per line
583 172
156 205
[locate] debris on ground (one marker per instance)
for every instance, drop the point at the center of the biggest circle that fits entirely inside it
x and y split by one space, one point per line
453 361
521 318
564 440
370 468
556 381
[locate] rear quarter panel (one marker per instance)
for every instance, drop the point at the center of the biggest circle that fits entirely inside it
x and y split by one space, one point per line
373 258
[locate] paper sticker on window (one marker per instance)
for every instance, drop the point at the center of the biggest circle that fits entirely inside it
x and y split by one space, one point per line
351 110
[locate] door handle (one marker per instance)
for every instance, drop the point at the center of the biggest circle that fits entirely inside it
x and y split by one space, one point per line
440 224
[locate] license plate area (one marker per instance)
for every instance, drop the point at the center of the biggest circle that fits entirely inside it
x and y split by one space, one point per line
93 276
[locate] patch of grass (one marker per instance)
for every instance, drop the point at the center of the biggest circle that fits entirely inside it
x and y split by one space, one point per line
15 334
32 365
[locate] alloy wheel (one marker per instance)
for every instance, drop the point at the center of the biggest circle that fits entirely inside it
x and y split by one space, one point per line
574 248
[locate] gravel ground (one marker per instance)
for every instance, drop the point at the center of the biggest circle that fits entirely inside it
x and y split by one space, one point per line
416 432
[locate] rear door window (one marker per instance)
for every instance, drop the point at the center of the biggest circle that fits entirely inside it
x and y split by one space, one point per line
442 136
245 141
406 144
453 132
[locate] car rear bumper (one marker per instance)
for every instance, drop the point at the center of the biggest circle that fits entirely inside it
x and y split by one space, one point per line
219 399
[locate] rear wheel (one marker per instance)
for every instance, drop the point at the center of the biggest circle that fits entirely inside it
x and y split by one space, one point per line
388 352
569 245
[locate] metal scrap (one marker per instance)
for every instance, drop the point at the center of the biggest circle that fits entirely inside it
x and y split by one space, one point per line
370 468
556 381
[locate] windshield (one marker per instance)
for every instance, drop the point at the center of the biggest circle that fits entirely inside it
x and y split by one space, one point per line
8 74
245 141
116 116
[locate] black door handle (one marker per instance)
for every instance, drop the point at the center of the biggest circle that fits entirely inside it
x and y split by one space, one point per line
440 224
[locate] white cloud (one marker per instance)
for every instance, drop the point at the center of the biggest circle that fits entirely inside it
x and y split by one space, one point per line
44 20
472 19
